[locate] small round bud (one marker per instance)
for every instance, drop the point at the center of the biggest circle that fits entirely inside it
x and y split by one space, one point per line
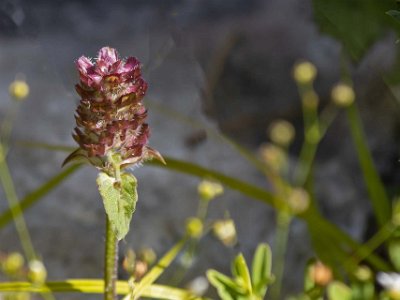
281 133
298 200
304 72
208 190
198 286
19 90
343 95
194 227
363 273
37 272
141 268
321 274
225 231
128 264
147 255
13 263
273 157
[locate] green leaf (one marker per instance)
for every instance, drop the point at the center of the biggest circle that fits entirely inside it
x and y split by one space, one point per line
242 274
376 190
339 291
394 252
226 287
357 24
261 269
119 200
394 13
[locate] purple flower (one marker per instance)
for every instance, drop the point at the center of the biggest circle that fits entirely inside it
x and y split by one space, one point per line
111 117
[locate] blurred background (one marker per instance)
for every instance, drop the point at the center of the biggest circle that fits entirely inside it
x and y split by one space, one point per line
215 68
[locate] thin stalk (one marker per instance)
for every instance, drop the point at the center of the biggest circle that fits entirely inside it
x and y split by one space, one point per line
16 212
282 233
110 263
13 203
372 244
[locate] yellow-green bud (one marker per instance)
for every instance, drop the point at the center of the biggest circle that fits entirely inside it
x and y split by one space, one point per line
281 133
273 157
343 95
304 72
298 200
37 272
194 227
363 273
19 90
208 190
128 264
225 231
13 263
147 255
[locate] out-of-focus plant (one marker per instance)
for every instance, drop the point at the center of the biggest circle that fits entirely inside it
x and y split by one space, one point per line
245 285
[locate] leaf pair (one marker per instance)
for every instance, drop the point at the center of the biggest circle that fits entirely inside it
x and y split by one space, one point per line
242 286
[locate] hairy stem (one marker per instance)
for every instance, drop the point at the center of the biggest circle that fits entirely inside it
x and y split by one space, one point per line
110 263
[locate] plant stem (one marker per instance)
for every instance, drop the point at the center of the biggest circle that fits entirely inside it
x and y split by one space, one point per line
110 263
17 215
281 239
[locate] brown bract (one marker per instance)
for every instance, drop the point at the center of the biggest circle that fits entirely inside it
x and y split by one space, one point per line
110 116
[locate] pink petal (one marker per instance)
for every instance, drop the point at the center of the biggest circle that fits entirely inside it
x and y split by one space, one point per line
108 55
84 64
131 64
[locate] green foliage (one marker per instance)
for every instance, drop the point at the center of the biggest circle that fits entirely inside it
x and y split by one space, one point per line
241 286
119 200
357 24
261 269
339 291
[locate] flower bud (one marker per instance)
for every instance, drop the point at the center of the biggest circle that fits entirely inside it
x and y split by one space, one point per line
281 133
128 264
273 157
208 190
198 286
343 95
147 255
37 272
304 72
363 273
321 274
225 231
194 227
13 263
19 90
298 200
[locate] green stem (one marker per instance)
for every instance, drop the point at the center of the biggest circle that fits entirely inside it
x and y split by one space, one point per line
282 233
15 208
110 263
